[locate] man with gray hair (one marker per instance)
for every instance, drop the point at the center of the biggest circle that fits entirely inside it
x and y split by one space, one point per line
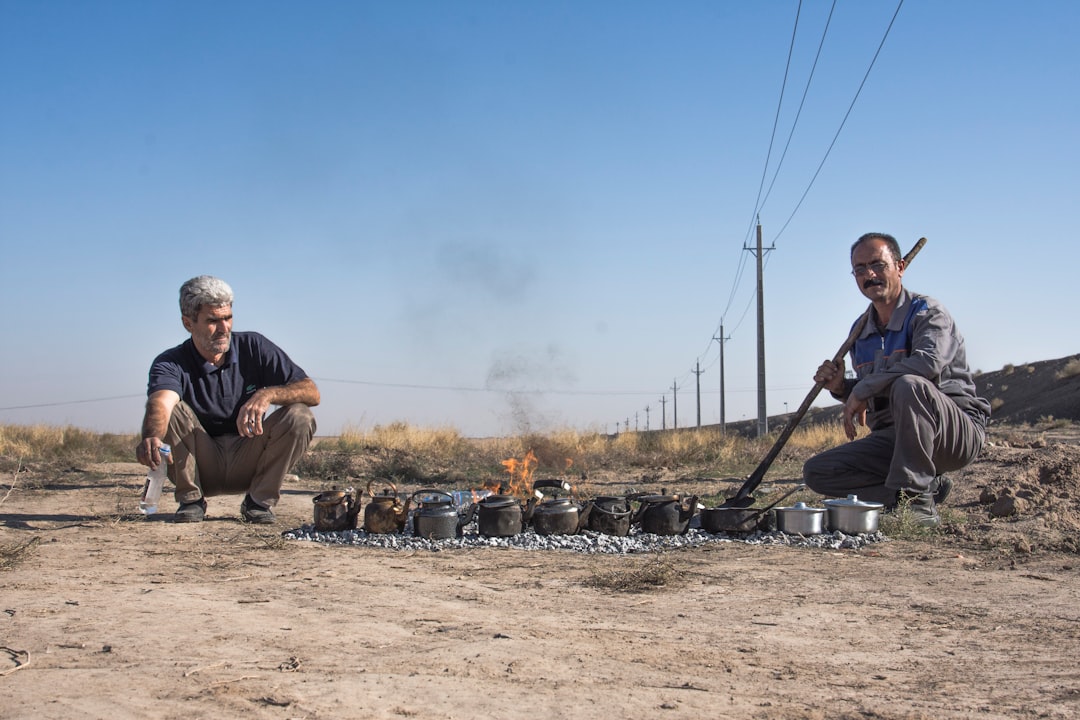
208 398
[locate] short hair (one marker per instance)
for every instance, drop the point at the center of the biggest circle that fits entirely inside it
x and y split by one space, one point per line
894 247
203 290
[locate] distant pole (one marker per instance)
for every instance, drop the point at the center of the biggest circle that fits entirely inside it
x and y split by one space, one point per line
722 339
635 421
663 413
763 418
675 404
646 418
697 371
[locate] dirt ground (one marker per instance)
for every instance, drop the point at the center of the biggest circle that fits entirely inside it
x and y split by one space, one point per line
106 614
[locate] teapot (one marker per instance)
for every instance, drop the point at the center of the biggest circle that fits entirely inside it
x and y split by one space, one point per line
665 514
336 509
385 513
435 515
558 515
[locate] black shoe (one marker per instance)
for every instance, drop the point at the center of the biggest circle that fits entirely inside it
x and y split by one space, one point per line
921 507
255 513
941 486
190 512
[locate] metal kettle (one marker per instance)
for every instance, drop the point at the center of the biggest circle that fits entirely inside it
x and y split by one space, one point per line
385 513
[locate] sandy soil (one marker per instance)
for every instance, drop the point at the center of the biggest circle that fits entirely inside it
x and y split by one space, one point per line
105 614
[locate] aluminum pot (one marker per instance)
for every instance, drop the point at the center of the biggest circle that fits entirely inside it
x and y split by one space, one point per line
436 517
853 516
726 518
800 519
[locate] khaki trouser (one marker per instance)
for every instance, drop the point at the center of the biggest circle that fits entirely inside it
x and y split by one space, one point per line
204 466
930 435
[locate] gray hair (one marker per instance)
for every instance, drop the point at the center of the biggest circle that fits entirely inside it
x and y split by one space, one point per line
203 290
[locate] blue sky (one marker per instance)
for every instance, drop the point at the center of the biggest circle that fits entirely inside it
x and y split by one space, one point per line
506 216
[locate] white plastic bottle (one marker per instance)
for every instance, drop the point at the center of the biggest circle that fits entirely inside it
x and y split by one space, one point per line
155 480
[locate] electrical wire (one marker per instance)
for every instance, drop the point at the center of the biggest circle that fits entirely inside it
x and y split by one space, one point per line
842 123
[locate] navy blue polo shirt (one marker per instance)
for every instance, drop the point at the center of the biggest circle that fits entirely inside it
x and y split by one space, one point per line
216 394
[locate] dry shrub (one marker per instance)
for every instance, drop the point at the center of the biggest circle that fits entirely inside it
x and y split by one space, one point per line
69 444
1071 369
1008 369
653 574
996 404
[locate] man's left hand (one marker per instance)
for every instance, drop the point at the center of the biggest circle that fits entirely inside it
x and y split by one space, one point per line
249 423
854 414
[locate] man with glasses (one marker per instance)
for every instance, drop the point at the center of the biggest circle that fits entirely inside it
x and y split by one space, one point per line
912 388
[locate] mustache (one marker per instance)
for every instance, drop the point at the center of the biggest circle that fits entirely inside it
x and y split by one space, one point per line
872 282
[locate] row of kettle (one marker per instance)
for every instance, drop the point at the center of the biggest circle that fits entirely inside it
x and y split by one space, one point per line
436 515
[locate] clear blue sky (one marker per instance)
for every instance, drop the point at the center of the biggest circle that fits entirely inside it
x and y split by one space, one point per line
505 215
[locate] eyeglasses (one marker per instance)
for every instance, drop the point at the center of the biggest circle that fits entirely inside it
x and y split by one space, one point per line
861 270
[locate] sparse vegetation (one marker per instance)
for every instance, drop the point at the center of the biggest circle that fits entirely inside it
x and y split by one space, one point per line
1009 369
996 404
653 574
68 444
1071 369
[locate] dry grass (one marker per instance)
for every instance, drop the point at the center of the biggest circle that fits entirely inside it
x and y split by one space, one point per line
69 444
653 574
400 452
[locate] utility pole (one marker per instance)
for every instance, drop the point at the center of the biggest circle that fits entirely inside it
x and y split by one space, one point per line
627 425
663 413
763 418
646 418
722 339
697 371
675 403
635 421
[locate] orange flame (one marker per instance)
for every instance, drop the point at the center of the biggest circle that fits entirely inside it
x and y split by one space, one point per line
521 474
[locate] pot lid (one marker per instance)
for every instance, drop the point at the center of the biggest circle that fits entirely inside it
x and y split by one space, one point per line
557 505
800 508
657 499
855 502
498 501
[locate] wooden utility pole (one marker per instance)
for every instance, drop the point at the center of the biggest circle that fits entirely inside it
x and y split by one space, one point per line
663 413
697 371
763 415
722 339
675 404
646 418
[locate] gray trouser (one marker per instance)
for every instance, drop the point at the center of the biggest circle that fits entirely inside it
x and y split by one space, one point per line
929 435
204 466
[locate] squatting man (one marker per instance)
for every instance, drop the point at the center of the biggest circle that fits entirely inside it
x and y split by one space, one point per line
208 398
912 388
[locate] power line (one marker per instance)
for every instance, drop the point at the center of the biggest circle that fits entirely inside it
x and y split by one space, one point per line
842 122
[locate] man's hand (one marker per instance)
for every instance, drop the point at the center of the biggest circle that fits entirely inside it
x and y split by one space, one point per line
147 452
249 423
854 414
831 376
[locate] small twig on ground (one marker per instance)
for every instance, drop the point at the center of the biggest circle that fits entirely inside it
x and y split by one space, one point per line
226 682
14 477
